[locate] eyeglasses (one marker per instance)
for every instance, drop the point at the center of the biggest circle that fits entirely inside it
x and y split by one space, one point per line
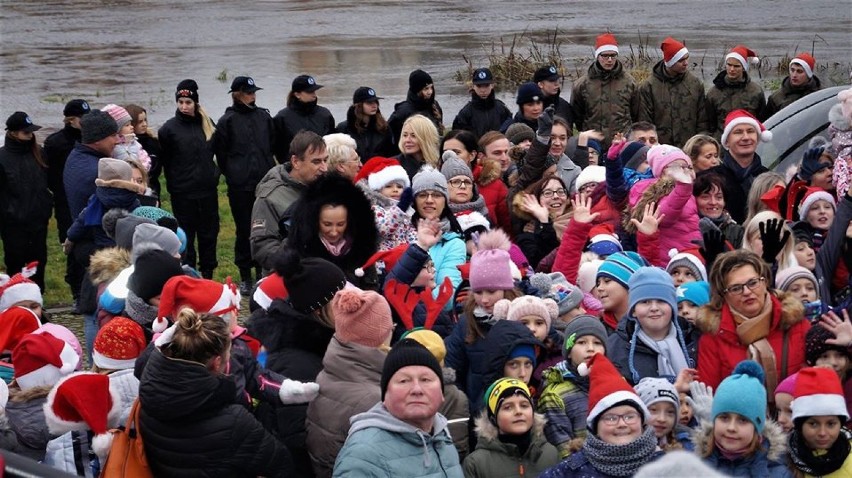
612 419
460 183
587 187
738 289
609 55
429 195
430 267
549 193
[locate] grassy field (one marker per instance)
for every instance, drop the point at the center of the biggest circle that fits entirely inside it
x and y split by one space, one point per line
57 292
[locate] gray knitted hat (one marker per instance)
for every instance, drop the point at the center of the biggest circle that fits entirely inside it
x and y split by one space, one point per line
429 179
519 132
580 326
126 227
157 237
96 126
653 390
555 286
110 169
454 166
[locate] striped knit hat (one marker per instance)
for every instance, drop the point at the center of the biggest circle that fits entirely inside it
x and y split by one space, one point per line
620 267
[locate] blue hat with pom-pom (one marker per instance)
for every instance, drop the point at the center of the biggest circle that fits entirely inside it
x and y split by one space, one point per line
743 393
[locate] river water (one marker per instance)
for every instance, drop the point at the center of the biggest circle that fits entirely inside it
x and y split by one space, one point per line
137 51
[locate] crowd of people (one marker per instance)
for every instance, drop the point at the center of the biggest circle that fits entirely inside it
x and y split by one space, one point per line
608 287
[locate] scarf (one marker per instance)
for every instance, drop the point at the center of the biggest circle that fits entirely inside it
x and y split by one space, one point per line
743 174
339 248
670 357
483 317
569 372
477 205
808 462
620 460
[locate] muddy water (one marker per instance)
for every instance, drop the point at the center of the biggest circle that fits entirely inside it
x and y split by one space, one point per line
137 51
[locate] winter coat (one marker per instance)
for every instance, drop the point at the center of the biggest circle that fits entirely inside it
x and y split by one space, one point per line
393 224
480 116
127 386
26 419
674 104
349 385
299 116
415 105
495 193
410 164
493 458
720 350
469 361
769 461
503 337
132 150
88 224
25 200
724 97
605 101
564 403
151 144
561 107
371 142
186 157
449 253
530 170
735 189
578 466
8 440
844 471
570 250
679 228
457 412
81 170
191 427
788 94
519 118
381 445
538 244
275 194
72 453
641 361
243 143
57 147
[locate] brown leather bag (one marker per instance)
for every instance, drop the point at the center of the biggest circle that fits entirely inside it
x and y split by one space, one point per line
127 455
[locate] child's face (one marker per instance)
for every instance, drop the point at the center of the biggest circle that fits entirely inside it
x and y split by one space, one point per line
785 411
733 432
681 275
803 289
835 360
487 298
593 157
536 324
663 417
520 368
585 347
126 129
820 215
688 311
820 432
426 276
392 190
515 415
805 255
685 415
613 296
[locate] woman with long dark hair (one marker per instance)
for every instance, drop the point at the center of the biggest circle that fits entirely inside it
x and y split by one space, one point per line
366 124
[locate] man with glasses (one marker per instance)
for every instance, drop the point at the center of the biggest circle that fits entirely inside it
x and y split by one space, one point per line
605 99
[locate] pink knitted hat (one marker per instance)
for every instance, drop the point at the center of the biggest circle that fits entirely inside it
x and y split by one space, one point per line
119 114
526 306
662 155
361 317
489 266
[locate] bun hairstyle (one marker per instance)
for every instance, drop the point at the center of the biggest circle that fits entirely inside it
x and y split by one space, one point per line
198 337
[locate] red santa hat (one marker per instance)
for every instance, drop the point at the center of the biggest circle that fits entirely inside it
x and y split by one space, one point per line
201 295
118 344
41 360
738 117
15 322
812 195
689 258
607 388
744 56
673 51
605 42
818 392
84 401
379 172
389 257
806 61
270 288
470 219
19 287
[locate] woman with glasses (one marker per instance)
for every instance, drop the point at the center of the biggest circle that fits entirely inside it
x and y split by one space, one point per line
548 209
745 319
463 194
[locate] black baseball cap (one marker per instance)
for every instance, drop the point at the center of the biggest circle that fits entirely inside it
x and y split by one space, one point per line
20 121
305 83
76 107
365 93
482 76
546 73
245 84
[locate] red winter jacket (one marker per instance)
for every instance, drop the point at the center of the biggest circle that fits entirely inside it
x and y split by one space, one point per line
495 193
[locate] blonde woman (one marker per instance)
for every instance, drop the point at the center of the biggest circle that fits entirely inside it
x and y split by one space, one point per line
761 185
769 237
704 152
418 144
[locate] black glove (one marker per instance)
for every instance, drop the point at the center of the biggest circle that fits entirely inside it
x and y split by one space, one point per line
714 244
810 163
545 125
774 236
406 199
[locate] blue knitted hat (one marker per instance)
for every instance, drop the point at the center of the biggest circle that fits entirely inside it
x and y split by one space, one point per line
651 283
743 393
697 292
523 350
620 266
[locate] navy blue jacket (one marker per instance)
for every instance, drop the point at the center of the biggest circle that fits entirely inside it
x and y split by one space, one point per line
81 170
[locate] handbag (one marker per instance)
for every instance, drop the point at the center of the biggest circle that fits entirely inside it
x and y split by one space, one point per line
127 455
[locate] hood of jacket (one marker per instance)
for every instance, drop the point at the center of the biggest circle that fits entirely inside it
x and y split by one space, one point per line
488 432
490 172
503 337
281 326
774 444
376 198
380 417
106 264
596 72
710 320
721 82
277 177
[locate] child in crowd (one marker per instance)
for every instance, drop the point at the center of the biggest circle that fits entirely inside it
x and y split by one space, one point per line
691 296
823 348
383 180
128 146
686 266
803 285
611 287
663 402
784 401
511 350
537 315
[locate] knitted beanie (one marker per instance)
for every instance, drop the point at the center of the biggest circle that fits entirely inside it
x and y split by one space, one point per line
187 89
528 92
787 385
429 339
620 266
784 278
526 306
19 287
96 126
119 114
691 259
654 390
554 286
697 292
429 179
490 266
634 154
110 169
118 344
661 155
519 132
453 166
125 229
580 326
407 353
361 317
651 283
312 282
41 360
587 275
595 146
815 344
608 388
818 392
419 79
743 393
502 389
148 236
151 271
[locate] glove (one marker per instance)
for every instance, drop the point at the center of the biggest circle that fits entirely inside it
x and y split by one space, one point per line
810 163
774 236
545 125
292 392
406 199
701 400
714 244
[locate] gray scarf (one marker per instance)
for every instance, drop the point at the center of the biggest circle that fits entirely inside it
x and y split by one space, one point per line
477 205
140 311
671 358
620 460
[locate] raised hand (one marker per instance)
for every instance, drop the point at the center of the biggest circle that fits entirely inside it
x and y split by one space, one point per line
532 206
406 199
810 163
583 209
618 143
428 233
545 124
774 235
714 244
650 219
840 327
701 400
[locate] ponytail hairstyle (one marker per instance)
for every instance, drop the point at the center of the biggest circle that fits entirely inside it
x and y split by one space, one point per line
198 337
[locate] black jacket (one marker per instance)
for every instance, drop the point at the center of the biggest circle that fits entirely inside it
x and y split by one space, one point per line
243 145
298 116
736 190
371 142
57 147
191 426
24 196
151 145
415 105
519 118
561 107
481 116
186 157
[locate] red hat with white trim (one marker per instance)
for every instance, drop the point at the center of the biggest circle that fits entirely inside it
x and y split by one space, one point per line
608 388
673 51
201 295
389 257
812 195
84 401
744 56
691 259
41 360
806 61
605 42
818 392
15 322
270 288
738 117
118 344
470 219
379 172
19 287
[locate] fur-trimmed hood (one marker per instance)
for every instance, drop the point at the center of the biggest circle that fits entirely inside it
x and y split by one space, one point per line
376 198
487 431
774 440
836 118
490 172
119 184
106 264
710 320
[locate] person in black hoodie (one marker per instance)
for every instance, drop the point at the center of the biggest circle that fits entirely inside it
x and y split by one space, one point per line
366 125
25 200
186 157
547 78
483 113
302 113
420 100
243 144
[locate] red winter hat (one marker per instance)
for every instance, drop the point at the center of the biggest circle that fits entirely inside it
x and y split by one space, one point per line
201 295
806 61
608 388
812 195
270 288
118 344
389 257
41 360
738 117
361 317
818 392
379 172
744 56
605 42
15 322
84 401
673 51
19 287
